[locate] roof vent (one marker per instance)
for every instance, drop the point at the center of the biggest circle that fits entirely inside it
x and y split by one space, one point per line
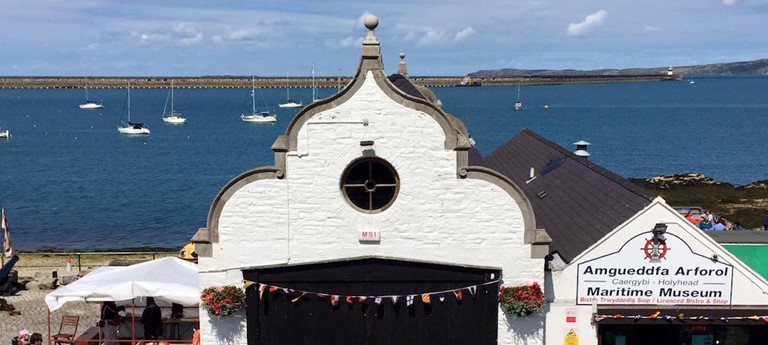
581 149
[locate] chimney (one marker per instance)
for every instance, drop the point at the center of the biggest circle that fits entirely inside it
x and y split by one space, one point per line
401 69
581 149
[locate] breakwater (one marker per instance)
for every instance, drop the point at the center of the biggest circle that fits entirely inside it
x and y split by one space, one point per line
51 82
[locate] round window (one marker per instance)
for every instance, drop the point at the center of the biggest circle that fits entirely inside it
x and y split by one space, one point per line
370 185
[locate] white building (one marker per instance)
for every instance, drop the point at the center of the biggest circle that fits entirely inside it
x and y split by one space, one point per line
372 226
380 223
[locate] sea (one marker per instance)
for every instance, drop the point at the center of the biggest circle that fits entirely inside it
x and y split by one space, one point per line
69 181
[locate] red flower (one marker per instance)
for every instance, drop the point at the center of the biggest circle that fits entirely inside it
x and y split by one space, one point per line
223 301
521 300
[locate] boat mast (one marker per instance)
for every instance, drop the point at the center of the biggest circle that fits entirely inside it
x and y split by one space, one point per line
129 102
171 97
287 88
313 83
338 80
253 93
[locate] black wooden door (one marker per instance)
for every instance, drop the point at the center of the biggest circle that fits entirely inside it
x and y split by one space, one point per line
276 319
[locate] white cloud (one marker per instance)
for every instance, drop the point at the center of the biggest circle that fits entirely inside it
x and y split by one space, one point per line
731 2
179 34
241 35
652 28
432 37
591 21
463 34
345 42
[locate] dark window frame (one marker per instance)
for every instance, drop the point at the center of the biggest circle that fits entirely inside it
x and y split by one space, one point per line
361 189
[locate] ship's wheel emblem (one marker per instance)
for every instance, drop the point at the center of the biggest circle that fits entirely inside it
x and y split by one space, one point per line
655 251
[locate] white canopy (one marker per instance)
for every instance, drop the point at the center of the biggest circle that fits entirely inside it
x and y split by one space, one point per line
170 279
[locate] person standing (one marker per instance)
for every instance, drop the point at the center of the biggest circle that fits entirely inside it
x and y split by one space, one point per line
152 319
109 322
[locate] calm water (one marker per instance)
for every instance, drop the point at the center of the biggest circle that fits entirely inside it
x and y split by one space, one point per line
68 180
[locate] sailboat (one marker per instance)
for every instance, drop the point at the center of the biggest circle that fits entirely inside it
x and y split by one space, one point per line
314 88
690 79
518 104
172 117
5 134
90 105
131 127
289 103
257 116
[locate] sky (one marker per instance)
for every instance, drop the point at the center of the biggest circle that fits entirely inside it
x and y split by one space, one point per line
439 37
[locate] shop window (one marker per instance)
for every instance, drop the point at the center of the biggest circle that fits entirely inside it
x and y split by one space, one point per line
370 184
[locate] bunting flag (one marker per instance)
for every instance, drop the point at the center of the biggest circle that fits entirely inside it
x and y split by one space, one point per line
680 317
262 287
298 297
425 298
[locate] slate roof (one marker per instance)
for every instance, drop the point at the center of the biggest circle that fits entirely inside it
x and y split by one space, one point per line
576 201
405 85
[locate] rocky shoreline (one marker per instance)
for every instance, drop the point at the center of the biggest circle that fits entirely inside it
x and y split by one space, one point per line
746 204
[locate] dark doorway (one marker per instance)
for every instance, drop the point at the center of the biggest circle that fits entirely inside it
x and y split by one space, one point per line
312 319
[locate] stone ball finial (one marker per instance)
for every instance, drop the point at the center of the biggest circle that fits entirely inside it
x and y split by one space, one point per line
371 22
402 55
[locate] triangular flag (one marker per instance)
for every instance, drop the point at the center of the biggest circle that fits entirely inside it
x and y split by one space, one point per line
298 297
472 290
409 300
335 300
246 284
441 297
377 300
458 295
394 299
287 290
362 299
262 287
349 299
321 295
272 288
425 298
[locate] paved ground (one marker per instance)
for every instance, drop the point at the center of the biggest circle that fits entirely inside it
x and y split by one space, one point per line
34 314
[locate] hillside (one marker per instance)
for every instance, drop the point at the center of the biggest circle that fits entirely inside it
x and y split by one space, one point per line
745 68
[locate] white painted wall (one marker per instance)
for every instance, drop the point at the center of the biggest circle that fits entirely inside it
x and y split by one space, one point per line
437 217
749 288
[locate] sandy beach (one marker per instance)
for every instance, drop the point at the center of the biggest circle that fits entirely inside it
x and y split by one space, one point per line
36 269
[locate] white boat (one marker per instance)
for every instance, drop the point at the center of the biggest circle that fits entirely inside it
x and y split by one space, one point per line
172 117
518 104
690 80
257 116
131 128
289 103
5 134
90 105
